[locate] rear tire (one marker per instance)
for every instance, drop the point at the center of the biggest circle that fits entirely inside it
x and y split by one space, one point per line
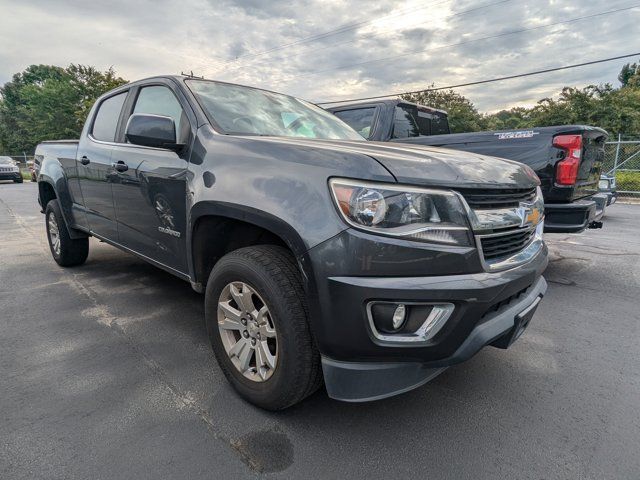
66 251
271 276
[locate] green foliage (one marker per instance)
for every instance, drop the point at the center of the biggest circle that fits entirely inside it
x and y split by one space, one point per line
617 110
46 102
628 71
628 181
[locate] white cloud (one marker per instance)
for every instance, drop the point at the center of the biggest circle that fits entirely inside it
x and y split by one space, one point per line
148 37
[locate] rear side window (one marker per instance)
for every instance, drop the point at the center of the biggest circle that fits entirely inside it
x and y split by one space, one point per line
106 121
360 119
159 100
413 121
407 123
439 123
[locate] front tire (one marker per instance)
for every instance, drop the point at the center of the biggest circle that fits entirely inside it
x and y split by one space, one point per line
257 321
66 251
19 180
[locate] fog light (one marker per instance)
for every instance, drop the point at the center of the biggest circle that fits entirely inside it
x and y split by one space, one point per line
399 316
402 323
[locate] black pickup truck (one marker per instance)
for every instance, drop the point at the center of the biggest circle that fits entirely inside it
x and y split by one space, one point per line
322 256
566 158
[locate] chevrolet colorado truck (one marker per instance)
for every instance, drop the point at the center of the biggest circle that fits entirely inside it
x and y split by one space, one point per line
567 159
322 257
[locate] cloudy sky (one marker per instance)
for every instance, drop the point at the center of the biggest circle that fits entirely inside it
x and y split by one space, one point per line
329 49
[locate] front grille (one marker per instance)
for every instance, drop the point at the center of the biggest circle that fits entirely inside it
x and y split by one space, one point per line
506 245
484 199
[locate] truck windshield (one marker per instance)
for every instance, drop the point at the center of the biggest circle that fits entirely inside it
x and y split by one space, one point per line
250 111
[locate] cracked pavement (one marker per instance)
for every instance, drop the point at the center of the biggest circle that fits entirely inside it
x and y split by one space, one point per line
106 372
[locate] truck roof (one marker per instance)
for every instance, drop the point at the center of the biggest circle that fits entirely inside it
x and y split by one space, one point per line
181 78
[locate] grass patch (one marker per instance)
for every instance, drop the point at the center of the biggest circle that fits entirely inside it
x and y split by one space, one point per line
629 181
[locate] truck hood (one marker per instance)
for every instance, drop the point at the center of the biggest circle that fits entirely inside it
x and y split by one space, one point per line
429 166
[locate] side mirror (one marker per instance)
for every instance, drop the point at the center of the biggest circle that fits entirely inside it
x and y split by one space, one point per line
152 131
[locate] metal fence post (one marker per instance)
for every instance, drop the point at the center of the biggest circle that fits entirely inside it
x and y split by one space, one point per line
615 161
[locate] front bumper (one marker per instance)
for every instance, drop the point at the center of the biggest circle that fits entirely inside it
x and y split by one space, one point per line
359 367
574 217
612 197
366 381
10 175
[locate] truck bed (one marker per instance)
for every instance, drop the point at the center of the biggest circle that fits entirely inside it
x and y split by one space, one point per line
533 147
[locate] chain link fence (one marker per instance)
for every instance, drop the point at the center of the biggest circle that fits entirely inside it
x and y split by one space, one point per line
622 161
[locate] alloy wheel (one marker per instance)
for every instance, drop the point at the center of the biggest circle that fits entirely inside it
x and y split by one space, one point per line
54 233
247 331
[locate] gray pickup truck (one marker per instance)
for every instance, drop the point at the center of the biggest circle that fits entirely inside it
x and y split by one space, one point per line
566 158
322 257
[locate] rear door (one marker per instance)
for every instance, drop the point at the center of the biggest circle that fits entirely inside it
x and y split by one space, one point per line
151 195
94 166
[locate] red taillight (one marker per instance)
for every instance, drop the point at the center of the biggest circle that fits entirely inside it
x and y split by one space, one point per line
567 169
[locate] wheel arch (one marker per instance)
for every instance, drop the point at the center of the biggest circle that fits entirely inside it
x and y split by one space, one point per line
50 189
274 230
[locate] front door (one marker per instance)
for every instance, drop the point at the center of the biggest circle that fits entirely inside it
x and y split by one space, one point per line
151 194
95 170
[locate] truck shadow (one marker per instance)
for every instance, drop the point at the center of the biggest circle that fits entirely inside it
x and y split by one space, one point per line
163 318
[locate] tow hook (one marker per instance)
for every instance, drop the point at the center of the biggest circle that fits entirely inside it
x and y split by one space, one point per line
595 225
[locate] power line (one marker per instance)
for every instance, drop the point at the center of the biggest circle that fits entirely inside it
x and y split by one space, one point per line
513 32
319 36
479 82
375 34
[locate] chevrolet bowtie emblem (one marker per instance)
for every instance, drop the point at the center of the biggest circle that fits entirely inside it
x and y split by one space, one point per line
533 217
529 215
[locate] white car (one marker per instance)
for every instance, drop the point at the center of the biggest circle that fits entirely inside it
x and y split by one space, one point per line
9 170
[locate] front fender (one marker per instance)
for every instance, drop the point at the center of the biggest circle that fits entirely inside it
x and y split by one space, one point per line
264 220
251 215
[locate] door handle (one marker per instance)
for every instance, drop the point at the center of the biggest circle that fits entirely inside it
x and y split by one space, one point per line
120 166
85 160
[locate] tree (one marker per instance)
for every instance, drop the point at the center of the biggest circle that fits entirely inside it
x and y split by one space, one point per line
90 83
629 70
46 102
514 118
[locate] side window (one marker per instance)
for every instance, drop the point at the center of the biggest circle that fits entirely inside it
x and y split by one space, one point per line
439 124
159 100
360 119
106 121
405 122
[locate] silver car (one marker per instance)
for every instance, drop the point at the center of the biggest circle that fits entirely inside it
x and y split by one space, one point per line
9 170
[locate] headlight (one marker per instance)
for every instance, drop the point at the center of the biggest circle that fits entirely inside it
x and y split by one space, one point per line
604 184
420 214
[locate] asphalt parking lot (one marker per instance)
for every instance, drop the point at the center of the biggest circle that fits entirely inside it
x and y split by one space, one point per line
106 372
